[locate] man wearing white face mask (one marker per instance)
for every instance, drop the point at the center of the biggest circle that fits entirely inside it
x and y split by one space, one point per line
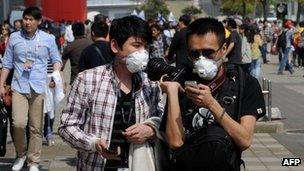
113 110
217 124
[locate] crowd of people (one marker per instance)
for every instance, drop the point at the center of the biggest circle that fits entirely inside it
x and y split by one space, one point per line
116 116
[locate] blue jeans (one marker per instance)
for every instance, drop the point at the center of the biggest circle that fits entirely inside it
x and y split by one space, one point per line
256 67
285 61
263 50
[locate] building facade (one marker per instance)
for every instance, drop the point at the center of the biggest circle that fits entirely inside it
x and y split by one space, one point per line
112 8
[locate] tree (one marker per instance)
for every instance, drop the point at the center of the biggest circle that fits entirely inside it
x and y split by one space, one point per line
300 7
264 4
243 7
191 10
153 7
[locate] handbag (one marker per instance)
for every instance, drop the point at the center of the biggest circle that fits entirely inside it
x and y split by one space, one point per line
3 128
274 50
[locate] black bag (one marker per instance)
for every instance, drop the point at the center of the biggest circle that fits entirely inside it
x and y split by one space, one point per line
3 128
195 153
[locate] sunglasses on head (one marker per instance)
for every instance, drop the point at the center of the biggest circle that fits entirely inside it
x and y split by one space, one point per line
207 53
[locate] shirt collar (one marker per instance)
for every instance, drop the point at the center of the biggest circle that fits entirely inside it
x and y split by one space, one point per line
24 34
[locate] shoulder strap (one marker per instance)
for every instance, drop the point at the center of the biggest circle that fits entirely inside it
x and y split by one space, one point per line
234 72
241 90
103 61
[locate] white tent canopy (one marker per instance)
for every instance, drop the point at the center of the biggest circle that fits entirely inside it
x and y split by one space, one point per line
92 14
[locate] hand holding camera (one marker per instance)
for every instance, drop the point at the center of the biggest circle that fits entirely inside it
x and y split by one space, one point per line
170 85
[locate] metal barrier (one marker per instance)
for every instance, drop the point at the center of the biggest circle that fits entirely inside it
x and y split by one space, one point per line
266 89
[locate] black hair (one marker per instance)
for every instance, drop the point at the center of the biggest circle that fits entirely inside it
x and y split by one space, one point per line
35 12
202 26
78 29
46 26
186 19
100 29
156 26
252 31
86 22
231 23
123 28
244 26
166 26
100 17
249 33
18 20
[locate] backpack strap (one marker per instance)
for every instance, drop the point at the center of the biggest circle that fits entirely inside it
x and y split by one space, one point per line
241 90
103 61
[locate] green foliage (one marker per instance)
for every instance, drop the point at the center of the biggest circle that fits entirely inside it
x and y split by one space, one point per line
153 7
231 7
191 10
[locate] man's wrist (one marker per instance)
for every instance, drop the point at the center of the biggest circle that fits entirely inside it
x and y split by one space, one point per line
93 143
152 131
172 90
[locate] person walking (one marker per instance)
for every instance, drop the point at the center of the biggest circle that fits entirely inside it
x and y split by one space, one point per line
178 47
113 111
98 53
160 43
27 53
73 50
287 49
234 50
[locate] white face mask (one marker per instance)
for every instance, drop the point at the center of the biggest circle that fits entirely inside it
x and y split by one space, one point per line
137 61
206 68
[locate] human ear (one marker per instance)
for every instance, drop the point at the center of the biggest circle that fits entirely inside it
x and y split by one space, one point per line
224 48
114 46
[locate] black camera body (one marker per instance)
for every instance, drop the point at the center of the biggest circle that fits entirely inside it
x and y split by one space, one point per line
157 67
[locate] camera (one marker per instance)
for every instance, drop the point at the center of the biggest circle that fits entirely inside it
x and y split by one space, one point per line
158 67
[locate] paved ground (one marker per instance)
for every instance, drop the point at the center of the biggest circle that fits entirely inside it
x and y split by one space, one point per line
265 154
288 95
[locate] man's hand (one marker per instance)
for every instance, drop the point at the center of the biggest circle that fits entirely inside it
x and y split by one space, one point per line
169 85
138 133
2 92
101 148
52 84
201 96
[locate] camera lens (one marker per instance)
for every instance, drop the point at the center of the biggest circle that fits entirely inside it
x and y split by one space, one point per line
158 67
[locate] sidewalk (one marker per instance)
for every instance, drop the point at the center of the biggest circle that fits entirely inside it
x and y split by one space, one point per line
265 154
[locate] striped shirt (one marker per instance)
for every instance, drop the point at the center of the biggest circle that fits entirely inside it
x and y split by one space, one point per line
91 107
50 68
121 122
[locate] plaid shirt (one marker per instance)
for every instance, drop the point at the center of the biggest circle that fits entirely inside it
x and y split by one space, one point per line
158 48
90 111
